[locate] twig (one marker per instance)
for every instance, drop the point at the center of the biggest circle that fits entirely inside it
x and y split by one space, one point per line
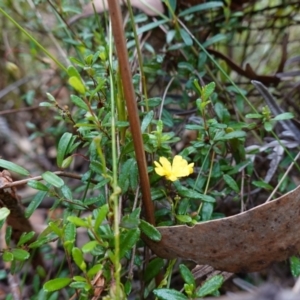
38 178
118 32
18 110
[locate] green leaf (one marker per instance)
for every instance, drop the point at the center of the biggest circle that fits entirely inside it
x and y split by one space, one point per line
70 232
222 112
77 84
7 256
172 5
80 285
150 231
66 191
37 185
130 222
128 240
46 104
268 126
13 167
189 193
102 212
94 270
125 174
66 162
153 268
232 135
79 102
78 258
63 146
4 212
134 176
169 294
8 234
20 254
88 247
129 147
186 37
78 222
231 182
206 211
263 185
284 116
34 203
72 71
254 116
50 97
39 242
186 65
147 120
201 7
215 39
70 236
56 284
56 229
184 218
79 278
210 286
207 90
53 179
187 274
25 237
150 26
295 266
127 287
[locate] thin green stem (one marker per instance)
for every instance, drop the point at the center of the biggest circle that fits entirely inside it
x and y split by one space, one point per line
116 189
59 64
208 179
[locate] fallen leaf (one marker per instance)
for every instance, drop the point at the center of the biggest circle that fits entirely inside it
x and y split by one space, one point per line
247 242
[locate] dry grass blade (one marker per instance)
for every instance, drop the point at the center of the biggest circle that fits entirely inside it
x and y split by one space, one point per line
246 242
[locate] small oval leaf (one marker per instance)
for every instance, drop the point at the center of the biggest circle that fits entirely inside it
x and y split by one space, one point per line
20 254
56 284
62 147
150 231
187 274
37 185
4 212
13 167
78 258
210 286
53 179
169 294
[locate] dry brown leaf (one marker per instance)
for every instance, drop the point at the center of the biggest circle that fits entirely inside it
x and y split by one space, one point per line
101 6
98 283
247 242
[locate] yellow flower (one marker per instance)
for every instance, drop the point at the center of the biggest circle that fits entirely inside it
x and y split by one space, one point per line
179 168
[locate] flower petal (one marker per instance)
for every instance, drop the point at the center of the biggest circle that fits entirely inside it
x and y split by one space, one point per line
172 177
165 164
191 168
180 167
159 169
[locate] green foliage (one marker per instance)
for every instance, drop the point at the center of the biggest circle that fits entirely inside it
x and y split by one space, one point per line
295 266
104 199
